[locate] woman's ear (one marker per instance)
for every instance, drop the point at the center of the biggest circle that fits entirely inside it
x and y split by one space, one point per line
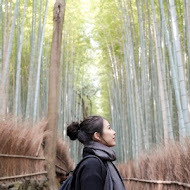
96 137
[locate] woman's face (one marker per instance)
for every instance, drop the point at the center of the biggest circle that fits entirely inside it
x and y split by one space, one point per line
108 135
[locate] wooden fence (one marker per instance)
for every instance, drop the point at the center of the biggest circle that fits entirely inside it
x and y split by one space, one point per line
158 182
31 174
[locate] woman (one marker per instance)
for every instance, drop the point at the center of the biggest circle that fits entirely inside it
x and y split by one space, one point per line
96 172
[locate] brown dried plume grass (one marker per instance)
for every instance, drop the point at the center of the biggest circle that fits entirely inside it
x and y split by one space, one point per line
166 163
19 137
63 156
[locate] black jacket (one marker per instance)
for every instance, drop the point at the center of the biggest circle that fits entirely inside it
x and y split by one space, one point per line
91 175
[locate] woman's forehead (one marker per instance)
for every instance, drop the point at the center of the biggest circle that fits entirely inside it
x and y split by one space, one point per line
106 123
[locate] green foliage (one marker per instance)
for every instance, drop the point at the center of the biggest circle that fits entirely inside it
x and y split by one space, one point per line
84 37
88 27
97 59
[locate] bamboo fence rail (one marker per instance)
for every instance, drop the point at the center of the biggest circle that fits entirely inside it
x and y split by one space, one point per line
158 182
32 174
21 156
27 157
24 175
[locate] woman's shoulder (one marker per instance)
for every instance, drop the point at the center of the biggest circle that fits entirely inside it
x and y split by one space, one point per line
93 160
90 174
94 163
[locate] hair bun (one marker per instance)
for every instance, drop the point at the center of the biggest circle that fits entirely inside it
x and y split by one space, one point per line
72 130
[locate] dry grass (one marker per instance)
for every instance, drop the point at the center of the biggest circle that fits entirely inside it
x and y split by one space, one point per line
63 158
170 163
21 138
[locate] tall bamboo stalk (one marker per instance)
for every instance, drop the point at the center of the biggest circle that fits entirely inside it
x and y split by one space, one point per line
6 64
161 85
174 73
19 63
182 83
37 89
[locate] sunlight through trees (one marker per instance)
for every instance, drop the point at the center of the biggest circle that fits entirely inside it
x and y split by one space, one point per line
127 60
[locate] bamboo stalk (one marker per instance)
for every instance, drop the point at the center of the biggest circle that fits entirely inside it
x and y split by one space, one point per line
25 175
159 182
21 156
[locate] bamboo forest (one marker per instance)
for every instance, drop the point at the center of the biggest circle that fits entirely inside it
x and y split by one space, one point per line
125 60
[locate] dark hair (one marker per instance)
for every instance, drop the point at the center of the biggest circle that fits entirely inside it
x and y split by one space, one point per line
85 130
